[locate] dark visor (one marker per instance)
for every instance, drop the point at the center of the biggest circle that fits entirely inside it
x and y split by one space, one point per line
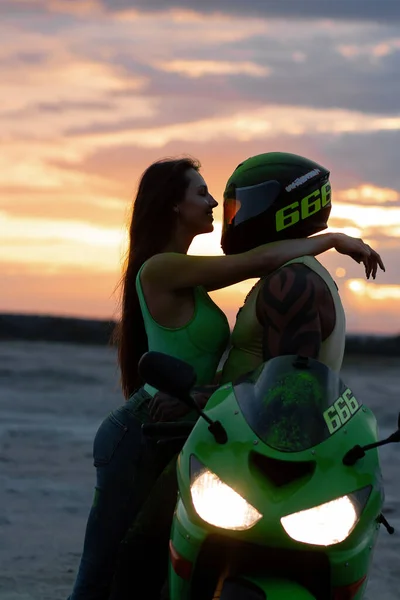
250 202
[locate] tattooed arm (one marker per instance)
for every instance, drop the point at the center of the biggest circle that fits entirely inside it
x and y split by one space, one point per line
296 310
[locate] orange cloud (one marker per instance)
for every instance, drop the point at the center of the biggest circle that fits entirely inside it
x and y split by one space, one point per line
367 216
45 243
67 292
372 51
372 307
200 68
243 126
368 194
61 77
373 291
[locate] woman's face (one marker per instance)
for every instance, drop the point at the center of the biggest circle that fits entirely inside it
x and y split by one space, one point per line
196 209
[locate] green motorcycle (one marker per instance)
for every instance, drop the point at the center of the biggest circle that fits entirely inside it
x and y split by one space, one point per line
280 491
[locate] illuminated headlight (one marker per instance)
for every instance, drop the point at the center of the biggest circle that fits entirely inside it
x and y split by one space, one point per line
329 523
219 505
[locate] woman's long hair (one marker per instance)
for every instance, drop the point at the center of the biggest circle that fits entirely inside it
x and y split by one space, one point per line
161 187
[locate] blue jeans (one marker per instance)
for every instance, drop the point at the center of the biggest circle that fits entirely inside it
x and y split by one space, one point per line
127 466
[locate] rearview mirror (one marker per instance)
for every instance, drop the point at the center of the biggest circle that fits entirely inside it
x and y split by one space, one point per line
176 378
168 374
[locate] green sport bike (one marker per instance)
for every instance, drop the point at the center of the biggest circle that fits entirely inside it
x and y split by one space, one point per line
280 492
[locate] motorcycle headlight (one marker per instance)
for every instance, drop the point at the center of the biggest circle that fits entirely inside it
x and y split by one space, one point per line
218 504
329 523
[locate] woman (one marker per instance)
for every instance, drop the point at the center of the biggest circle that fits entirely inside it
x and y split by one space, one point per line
165 307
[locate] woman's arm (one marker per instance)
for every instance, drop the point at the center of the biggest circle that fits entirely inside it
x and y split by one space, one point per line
172 271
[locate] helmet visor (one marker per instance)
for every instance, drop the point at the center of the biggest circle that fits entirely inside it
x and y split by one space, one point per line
250 202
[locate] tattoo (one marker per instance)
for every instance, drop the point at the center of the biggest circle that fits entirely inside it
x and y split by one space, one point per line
288 309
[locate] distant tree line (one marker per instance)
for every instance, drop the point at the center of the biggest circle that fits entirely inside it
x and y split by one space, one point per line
55 329
99 332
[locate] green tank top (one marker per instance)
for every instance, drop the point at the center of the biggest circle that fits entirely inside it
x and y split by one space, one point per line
200 342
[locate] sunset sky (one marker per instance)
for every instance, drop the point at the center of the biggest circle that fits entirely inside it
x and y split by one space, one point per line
93 91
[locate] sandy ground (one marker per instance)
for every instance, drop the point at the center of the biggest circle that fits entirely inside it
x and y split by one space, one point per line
52 399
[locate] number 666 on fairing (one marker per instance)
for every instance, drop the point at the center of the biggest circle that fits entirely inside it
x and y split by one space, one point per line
341 411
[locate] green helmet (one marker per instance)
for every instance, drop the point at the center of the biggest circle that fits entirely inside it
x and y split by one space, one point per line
274 196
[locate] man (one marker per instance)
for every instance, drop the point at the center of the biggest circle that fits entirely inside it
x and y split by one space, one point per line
296 309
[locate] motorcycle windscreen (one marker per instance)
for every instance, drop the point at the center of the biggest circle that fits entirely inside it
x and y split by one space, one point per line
293 404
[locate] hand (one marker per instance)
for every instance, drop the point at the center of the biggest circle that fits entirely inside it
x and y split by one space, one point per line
360 252
164 407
